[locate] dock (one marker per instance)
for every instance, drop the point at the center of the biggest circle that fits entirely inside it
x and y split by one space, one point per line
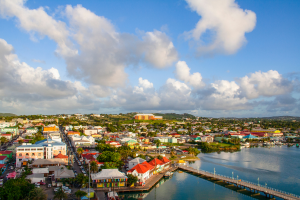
256 188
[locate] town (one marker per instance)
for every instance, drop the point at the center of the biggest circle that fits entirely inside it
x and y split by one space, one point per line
95 155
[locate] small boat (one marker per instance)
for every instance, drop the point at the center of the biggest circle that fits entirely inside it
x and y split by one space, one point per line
112 196
168 174
297 145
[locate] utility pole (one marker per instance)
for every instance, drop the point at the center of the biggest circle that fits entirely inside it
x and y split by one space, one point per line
89 180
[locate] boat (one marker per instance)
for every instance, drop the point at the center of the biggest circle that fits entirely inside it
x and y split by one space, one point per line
168 174
297 145
112 196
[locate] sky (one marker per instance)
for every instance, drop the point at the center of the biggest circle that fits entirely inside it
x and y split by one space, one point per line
210 58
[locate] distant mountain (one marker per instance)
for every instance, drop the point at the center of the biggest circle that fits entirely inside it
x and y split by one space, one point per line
7 115
282 118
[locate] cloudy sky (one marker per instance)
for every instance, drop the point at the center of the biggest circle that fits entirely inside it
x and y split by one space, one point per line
216 58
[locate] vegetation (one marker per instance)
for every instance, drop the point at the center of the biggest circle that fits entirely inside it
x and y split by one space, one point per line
80 194
131 179
60 194
79 151
15 189
193 151
37 194
94 166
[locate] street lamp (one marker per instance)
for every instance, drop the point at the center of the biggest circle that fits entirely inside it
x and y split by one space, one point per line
258 181
237 178
232 175
214 172
266 184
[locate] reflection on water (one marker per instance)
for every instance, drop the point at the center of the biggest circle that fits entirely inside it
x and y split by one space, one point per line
279 167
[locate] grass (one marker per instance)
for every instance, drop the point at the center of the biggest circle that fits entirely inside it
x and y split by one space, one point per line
220 144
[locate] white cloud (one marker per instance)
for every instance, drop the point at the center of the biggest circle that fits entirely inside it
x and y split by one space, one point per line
103 53
159 50
269 83
182 73
227 22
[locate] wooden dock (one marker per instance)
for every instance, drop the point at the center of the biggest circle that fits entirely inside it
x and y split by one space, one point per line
269 192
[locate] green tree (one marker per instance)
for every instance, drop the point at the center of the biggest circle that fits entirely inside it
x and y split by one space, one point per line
80 194
79 151
15 189
82 180
193 151
37 194
131 179
60 194
94 166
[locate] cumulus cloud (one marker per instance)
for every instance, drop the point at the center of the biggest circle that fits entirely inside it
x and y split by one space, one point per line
159 50
182 73
269 83
223 95
94 51
224 21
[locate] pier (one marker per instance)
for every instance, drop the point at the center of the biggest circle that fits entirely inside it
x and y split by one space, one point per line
256 188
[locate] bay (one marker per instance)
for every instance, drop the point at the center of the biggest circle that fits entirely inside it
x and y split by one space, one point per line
276 167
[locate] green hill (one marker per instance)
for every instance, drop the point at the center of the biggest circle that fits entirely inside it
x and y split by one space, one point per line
7 115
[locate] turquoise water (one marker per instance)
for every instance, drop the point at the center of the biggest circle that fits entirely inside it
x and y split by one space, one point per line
278 167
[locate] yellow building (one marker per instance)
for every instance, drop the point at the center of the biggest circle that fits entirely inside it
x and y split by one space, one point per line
147 117
51 129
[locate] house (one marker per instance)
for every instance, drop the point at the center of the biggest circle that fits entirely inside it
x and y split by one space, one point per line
70 133
62 157
195 138
113 143
158 164
90 131
134 162
62 172
7 136
31 130
47 163
3 159
143 171
51 128
6 153
108 178
207 138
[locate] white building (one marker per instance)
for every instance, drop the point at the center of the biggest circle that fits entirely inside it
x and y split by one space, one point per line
90 131
135 161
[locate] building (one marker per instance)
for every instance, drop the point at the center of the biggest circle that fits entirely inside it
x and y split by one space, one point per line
7 136
3 159
13 130
6 153
109 178
147 117
7 124
51 128
134 162
40 150
90 131
143 171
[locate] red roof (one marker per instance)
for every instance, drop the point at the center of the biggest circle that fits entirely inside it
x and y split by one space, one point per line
6 134
3 157
194 136
2 165
61 156
165 160
142 168
157 161
5 152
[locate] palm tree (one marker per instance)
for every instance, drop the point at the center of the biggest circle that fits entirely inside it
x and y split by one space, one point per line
94 166
81 179
60 194
37 194
79 151
80 194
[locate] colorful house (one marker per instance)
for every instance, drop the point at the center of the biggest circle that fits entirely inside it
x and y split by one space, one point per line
109 178
6 153
158 164
3 159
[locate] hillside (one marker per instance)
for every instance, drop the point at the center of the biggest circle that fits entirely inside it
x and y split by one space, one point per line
175 115
7 115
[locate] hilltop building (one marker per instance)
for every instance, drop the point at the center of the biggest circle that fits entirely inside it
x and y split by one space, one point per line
147 117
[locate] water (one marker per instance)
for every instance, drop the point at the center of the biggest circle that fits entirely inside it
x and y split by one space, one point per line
278 167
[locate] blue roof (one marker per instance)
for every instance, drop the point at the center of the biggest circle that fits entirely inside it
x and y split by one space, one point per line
250 136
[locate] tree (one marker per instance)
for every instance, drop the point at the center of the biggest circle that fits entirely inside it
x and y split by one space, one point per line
79 151
60 194
157 142
82 180
80 194
94 166
193 151
21 141
16 189
3 140
37 194
131 179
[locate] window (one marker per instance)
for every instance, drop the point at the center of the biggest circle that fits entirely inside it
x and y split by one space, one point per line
27 154
33 154
20 154
39 154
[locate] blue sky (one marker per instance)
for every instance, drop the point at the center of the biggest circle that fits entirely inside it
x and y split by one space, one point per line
150 56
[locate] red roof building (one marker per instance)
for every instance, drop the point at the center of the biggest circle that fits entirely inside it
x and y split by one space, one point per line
156 162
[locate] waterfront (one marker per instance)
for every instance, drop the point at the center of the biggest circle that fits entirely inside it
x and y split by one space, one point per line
279 167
